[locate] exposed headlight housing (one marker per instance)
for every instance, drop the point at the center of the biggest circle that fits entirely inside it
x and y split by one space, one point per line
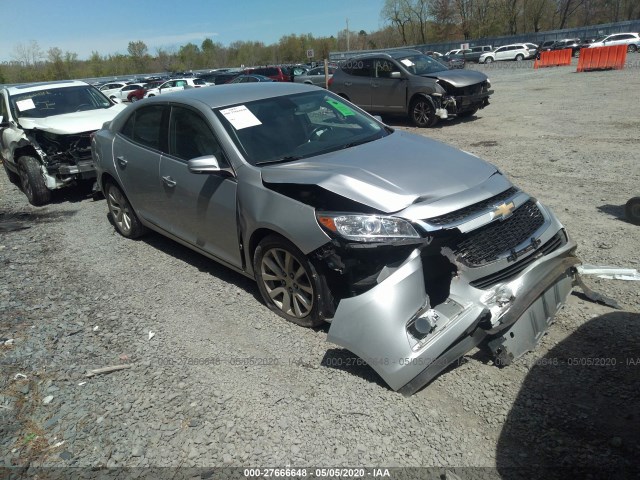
367 228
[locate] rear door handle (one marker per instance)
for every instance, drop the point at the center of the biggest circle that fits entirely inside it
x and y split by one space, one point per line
121 161
168 181
348 84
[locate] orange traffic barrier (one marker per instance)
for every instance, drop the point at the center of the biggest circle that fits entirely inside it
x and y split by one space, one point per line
602 58
554 58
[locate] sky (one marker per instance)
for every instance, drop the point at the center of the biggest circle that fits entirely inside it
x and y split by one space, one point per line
83 26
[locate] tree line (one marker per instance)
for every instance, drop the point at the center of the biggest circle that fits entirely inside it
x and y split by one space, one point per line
405 22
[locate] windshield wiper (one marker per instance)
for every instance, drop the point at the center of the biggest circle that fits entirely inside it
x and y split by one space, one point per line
289 158
366 140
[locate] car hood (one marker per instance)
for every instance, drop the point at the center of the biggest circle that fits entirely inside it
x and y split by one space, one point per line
388 174
70 123
459 78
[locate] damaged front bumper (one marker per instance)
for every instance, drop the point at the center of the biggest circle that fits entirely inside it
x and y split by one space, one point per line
408 342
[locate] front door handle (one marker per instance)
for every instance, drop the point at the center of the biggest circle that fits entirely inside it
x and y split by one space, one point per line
168 181
121 161
348 84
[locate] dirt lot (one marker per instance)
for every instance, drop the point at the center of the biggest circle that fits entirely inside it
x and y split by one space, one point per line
219 380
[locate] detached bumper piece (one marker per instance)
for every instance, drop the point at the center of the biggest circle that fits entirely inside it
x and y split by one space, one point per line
408 342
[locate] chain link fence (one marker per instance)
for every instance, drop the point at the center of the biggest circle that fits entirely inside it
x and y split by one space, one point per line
588 32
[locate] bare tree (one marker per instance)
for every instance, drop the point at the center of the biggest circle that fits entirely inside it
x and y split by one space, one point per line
27 54
396 12
465 13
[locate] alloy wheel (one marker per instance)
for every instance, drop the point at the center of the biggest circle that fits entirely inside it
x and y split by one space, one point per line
287 282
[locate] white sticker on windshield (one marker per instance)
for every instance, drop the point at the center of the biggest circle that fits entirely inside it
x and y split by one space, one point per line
24 105
240 117
406 62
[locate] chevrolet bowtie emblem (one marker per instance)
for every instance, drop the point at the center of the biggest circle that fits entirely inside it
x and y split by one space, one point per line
503 211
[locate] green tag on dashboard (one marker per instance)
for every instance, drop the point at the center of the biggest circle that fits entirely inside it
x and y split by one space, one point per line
341 107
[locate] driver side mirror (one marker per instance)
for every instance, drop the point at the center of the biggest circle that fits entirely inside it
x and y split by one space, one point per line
207 164
395 75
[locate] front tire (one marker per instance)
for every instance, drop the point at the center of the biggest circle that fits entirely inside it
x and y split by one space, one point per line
122 214
632 210
288 282
468 113
11 175
32 182
422 113
488 60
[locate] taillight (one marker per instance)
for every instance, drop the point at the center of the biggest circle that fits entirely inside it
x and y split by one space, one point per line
330 82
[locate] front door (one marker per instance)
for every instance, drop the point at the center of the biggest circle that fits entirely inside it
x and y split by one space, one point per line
200 208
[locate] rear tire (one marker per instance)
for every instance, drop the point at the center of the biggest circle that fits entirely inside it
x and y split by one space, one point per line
32 182
122 214
519 57
632 48
632 210
288 282
422 113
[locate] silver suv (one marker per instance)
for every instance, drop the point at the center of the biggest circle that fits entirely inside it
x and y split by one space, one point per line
413 251
407 82
45 134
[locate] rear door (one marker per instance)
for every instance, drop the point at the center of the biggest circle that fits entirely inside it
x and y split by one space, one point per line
356 81
137 149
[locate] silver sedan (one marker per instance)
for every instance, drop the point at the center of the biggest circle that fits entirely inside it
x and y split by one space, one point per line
315 76
413 251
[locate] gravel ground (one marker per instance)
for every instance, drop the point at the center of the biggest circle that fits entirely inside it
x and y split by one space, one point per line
216 379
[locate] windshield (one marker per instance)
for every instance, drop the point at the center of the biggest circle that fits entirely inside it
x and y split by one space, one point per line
288 128
420 64
57 101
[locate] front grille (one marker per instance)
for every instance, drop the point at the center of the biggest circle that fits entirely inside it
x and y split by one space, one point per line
557 241
487 243
459 215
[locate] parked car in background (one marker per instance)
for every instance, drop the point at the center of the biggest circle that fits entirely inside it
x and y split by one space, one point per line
112 87
452 61
138 94
453 52
276 72
573 43
631 40
175 85
251 78
315 76
407 82
123 93
546 46
414 251
219 78
472 54
45 134
516 51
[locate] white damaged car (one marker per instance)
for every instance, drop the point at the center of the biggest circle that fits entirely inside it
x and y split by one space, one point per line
45 134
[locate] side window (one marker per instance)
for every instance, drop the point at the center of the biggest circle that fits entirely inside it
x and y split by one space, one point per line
501 49
4 113
360 68
190 136
383 68
145 127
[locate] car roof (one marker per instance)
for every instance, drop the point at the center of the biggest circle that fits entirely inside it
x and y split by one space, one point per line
390 54
34 87
231 94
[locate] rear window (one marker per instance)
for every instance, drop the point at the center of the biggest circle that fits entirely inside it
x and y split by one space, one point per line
199 81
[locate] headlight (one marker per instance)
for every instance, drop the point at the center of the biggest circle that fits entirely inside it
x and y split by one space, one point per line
367 228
